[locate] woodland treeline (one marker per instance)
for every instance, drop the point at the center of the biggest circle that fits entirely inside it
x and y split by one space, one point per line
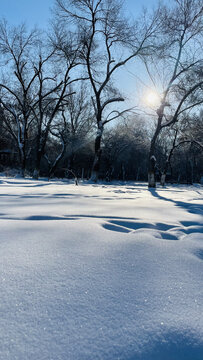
62 109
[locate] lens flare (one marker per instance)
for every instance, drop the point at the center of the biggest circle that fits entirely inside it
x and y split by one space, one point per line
152 98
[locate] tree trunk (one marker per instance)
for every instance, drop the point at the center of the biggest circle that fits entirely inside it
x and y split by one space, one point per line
22 159
97 156
123 172
138 174
71 161
57 160
23 167
82 174
163 174
163 179
35 174
168 160
37 166
151 172
192 171
152 159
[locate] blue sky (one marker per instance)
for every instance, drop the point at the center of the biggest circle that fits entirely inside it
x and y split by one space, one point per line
30 11
38 11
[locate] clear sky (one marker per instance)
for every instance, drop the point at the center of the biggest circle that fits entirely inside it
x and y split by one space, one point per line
30 11
38 11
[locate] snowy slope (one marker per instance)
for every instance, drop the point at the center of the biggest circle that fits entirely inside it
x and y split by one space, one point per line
100 271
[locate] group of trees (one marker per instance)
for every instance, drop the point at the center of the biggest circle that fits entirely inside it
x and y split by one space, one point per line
58 92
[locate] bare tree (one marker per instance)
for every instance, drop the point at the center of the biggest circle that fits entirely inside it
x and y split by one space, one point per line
34 87
53 93
72 128
188 130
108 43
16 50
180 59
125 150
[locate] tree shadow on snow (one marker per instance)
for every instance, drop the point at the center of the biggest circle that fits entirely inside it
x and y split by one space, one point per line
191 208
172 346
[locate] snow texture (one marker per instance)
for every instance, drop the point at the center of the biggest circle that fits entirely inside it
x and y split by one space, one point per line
100 271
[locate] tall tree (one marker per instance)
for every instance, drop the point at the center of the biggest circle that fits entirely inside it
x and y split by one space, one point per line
34 87
181 60
72 128
16 84
52 95
108 44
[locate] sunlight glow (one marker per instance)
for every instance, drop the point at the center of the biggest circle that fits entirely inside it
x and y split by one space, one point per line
152 98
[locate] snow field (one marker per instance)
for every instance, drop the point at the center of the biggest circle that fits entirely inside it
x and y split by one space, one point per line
100 271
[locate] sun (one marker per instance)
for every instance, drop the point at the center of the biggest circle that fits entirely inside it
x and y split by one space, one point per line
152 98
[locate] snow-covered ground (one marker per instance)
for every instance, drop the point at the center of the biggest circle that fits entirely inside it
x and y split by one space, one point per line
100 271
